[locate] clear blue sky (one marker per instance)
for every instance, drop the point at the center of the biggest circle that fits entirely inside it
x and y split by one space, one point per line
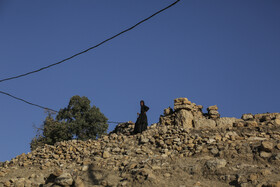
212 52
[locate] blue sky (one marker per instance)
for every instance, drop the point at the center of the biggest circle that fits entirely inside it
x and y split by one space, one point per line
212 52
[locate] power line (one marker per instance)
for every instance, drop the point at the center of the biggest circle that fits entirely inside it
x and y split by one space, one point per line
42 107
17 98
97 45
75 55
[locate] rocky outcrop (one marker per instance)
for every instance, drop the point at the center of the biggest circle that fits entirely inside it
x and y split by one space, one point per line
185 148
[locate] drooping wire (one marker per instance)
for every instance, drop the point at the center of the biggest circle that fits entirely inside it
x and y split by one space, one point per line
42 107
27 102
75 55
95 46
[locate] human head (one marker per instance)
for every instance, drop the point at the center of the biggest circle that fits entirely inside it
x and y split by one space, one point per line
142 103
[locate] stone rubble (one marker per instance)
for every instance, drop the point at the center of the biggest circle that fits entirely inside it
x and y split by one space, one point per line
185 148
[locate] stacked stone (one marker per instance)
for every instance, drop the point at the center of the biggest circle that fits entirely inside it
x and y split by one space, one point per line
213 112
182 103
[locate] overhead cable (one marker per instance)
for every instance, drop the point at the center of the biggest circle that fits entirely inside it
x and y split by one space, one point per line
42 107
95 46
27 102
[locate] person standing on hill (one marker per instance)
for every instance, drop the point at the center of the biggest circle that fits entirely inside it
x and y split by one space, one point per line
142 120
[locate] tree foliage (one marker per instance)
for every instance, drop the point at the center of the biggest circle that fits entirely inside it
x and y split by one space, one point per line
77 121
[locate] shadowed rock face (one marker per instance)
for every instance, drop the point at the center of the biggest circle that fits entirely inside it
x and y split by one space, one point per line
185 148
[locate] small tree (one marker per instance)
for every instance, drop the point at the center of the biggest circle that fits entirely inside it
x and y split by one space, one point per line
78 120
51 132
85 122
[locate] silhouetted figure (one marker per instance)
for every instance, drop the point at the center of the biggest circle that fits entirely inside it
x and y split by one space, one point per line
142 120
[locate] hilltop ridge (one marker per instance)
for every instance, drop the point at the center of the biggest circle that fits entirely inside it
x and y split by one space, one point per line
185 148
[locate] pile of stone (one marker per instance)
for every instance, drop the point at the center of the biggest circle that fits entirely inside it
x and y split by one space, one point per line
124 128
184 103
185 148
267 119
213 112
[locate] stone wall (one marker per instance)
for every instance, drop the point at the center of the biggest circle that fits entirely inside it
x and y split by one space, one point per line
189 115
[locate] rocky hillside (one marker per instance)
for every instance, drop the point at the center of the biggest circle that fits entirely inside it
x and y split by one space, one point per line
185 148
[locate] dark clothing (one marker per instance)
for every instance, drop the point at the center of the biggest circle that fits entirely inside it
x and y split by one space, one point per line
142 120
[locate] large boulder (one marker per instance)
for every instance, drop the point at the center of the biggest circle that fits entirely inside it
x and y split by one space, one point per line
226 122
184 118
204 123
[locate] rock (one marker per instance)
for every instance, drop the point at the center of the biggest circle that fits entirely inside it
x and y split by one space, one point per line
78 182
108 179
64 180
213 112
20 182
247 117
2 174
85 168
266 172
184 118
267 146
197 184
183 106
214 151
165 121
180 101
226 122
149 174
153 126
264 154
212 108
55 156
167 175
57 172
251 124
252 138
144 140
37 178
204 123
106 154
168 111
123 128
7 183
253 177
277 121
116 150
215 164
